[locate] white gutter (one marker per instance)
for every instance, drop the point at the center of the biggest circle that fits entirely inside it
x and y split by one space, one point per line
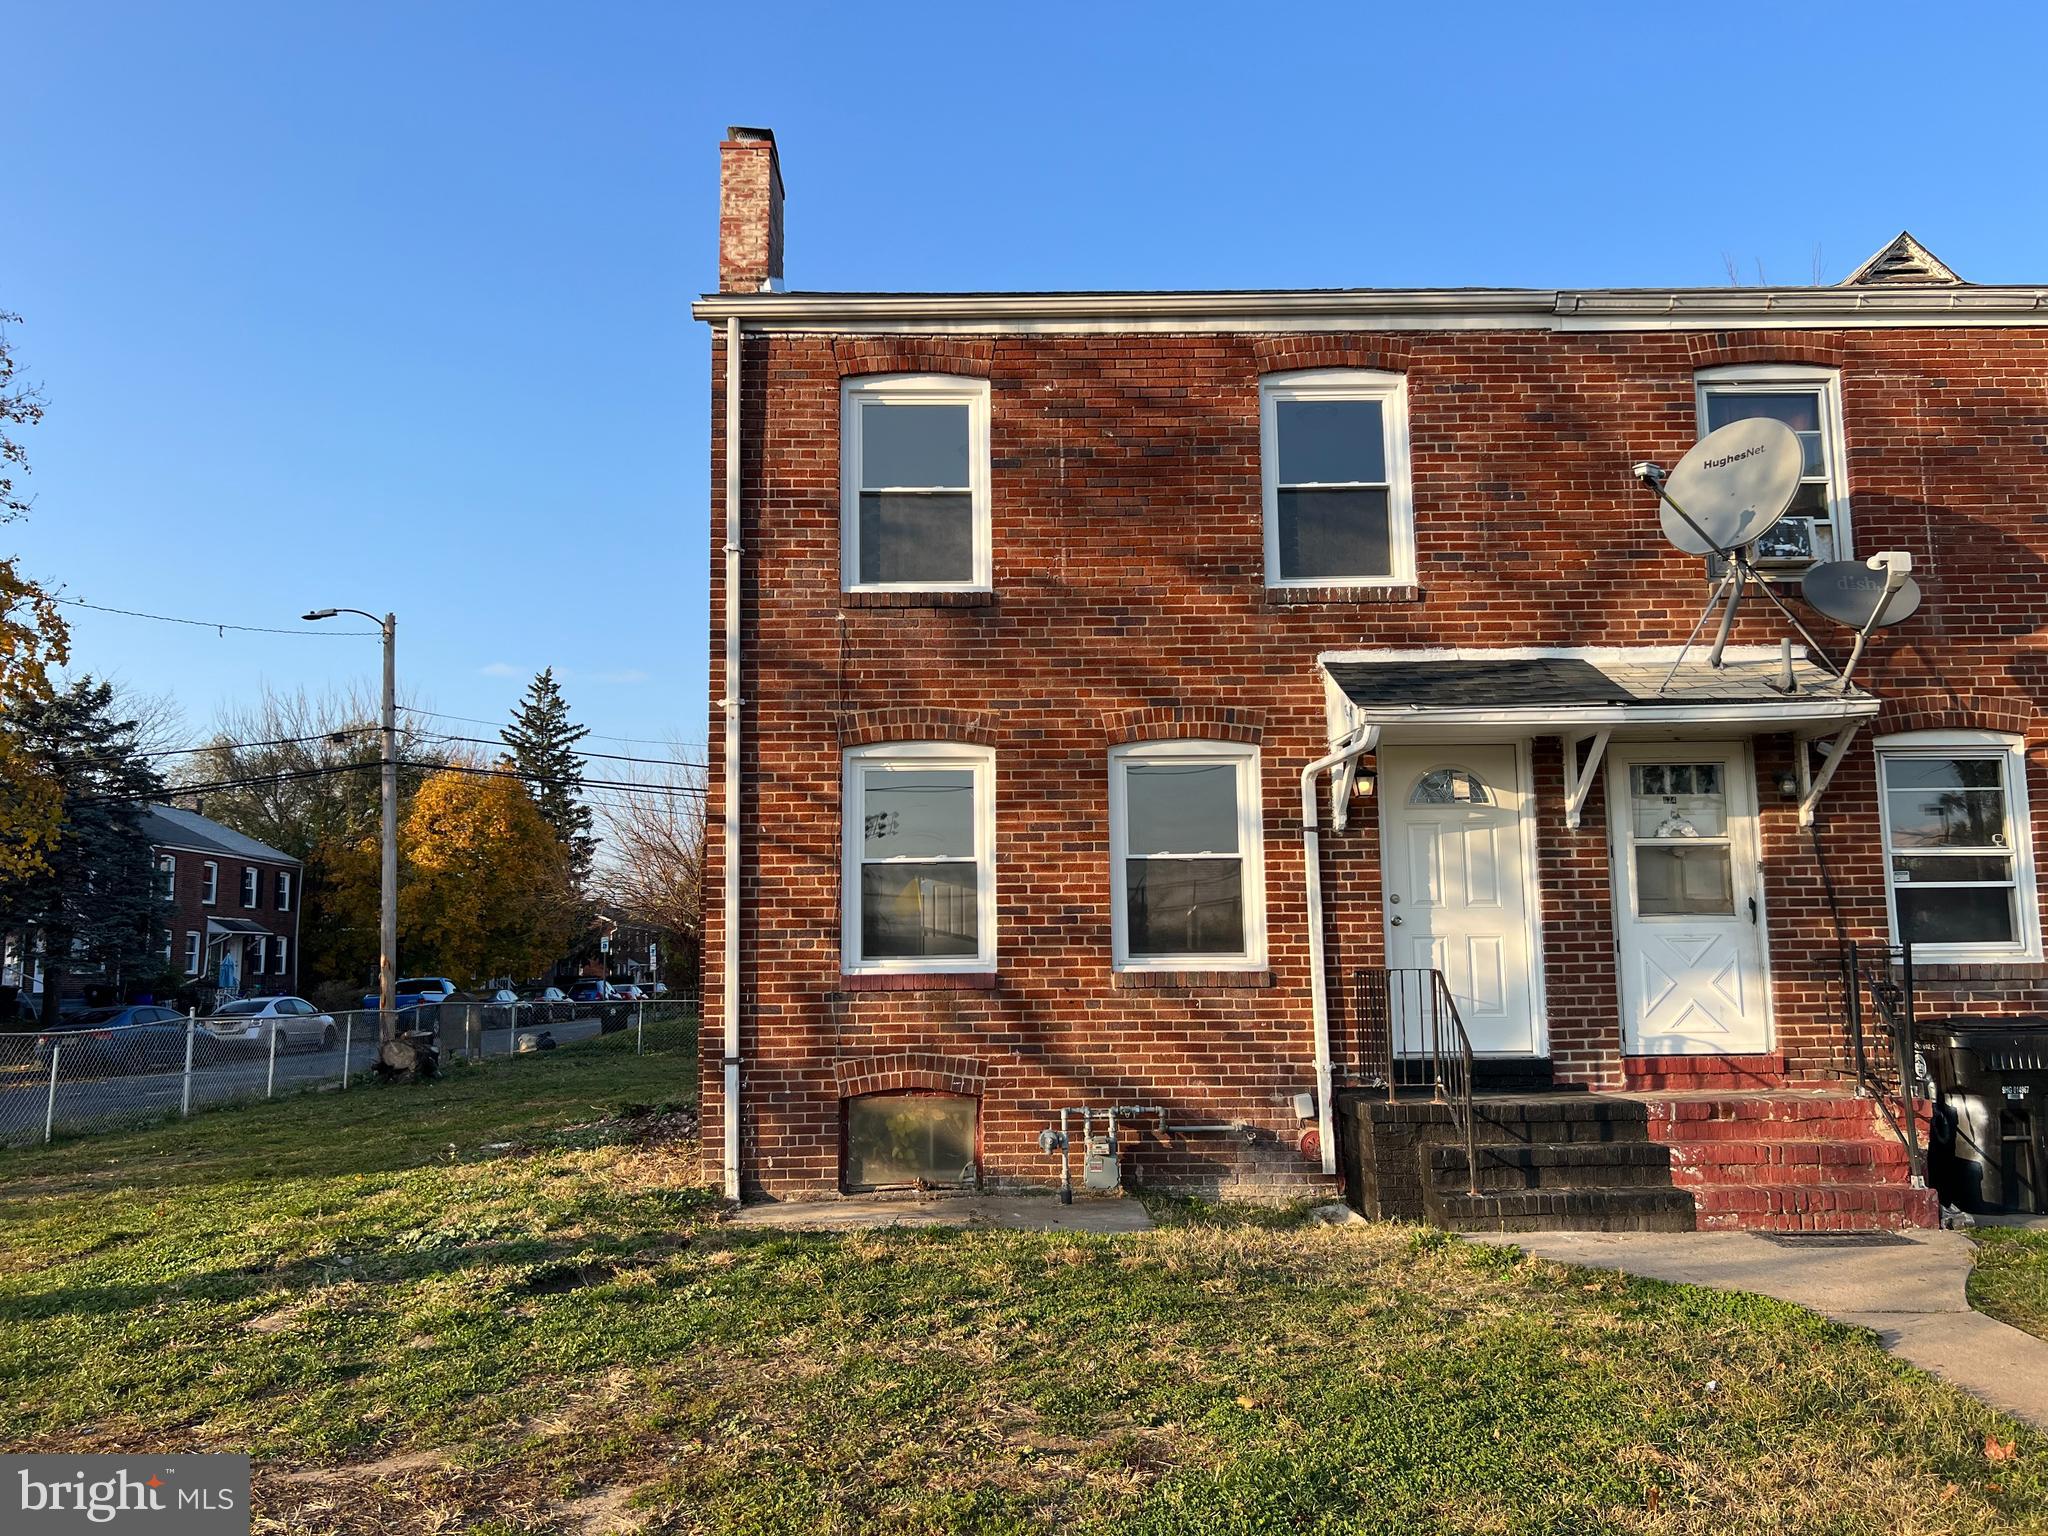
730 1005
1361 741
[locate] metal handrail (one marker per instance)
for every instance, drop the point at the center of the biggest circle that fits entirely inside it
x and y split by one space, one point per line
1881 1050
1410 1036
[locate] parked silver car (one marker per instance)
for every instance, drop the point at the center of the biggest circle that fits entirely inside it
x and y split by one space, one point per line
248 1023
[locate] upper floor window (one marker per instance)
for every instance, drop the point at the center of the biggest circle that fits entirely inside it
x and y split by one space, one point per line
1809 401
284 890
209 882
167 876
1186 857
1334 470
914 503
1959 865
251 885
919 883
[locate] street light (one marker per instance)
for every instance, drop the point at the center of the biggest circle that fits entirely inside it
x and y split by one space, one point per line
387 924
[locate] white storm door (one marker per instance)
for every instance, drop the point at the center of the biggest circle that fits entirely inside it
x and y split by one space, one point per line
1456 896
1683 819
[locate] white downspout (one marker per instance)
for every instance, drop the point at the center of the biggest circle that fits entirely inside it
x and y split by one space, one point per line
730 1004
1360 742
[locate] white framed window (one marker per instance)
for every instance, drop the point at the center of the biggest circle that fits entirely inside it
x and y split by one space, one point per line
283 954
1333 466
1809 401
914 484
192 953
252 884
167 881
1187 859
1958 850
919 872
259 954
284 890
209 883
170 940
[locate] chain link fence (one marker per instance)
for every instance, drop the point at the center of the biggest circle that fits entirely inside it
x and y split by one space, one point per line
164 1064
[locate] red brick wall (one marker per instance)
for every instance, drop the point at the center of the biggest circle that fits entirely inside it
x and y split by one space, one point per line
1130 603
188 914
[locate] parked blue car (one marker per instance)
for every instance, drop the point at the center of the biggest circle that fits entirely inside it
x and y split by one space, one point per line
415 990
143 1038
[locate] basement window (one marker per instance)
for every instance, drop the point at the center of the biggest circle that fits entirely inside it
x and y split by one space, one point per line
1958 859
914 498
899 1140
1334 473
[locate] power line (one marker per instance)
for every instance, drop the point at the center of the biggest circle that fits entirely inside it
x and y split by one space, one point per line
281 741
609 757
222 627
636 741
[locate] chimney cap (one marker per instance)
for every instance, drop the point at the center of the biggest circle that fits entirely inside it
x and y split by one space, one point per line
743 135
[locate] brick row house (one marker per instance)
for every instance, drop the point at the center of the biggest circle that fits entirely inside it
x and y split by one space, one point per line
1132 693
233 904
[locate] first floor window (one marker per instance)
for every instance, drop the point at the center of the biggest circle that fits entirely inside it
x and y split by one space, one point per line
282 944
1958 856
192 960
259 955
1185 855
919 858
168 942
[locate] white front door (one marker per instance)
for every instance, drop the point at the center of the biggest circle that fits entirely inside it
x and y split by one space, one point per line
1683 820
1456 883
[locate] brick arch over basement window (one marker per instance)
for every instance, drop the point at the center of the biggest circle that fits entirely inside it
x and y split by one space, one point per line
910 1072
1714 349
2013 714
1182 722
875 727
856 355
1283 354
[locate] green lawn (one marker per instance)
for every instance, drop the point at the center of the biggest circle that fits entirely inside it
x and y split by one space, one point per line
493 1305
2011 1278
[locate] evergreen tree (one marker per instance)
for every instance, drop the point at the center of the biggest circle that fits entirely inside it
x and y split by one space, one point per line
95 899
543 743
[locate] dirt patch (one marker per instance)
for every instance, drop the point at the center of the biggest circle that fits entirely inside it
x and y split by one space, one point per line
608 1512
400 1464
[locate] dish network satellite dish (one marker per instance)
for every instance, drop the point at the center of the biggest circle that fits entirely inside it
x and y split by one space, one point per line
1727 492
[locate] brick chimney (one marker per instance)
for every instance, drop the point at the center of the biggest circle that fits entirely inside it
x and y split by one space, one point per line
749 212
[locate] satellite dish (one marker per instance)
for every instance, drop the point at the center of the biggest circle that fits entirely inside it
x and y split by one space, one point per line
1731 486
1851 593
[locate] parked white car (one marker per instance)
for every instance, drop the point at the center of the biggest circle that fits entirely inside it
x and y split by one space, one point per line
249 1022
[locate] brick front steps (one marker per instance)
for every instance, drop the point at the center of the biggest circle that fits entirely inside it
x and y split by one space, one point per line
1789 1162
1693 1074
1640 1161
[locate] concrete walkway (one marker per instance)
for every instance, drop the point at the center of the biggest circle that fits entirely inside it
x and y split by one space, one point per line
1018 1213
1907 1288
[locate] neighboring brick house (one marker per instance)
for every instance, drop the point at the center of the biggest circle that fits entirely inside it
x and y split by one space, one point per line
234 904
1046 602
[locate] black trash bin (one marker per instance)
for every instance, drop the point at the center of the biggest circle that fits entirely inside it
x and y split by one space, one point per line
1990 1149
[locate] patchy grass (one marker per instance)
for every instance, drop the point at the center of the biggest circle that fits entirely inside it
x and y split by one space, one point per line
493 1307
2010 1280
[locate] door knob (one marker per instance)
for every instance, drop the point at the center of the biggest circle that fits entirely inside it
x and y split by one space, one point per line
1395 920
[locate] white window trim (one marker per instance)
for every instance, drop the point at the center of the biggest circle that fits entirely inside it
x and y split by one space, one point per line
209 883
1251 849
918 754
195 954
1391 391
2026 892
252 887
914 389
1777 378
167 869
283 954
261 965
284 890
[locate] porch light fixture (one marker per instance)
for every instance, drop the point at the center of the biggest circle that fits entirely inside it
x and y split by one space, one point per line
1364 782
1788 784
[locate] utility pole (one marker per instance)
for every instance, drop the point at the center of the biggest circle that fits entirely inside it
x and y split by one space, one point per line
387 915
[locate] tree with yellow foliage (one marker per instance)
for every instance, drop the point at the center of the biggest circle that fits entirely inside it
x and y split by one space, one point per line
33 638
486 889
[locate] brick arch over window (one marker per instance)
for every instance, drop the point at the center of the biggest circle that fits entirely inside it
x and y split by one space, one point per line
873 727
1714 349
1282 354
1182 722
910 1072
2013 714
856 355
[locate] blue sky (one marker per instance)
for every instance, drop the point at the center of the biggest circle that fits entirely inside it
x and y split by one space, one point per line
387 306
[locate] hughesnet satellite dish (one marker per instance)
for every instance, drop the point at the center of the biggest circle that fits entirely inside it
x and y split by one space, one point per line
1856 596
1731 486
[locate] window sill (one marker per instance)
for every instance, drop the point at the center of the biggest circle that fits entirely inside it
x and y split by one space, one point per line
919 981
1987 968
1190 981
917 599
1298 597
